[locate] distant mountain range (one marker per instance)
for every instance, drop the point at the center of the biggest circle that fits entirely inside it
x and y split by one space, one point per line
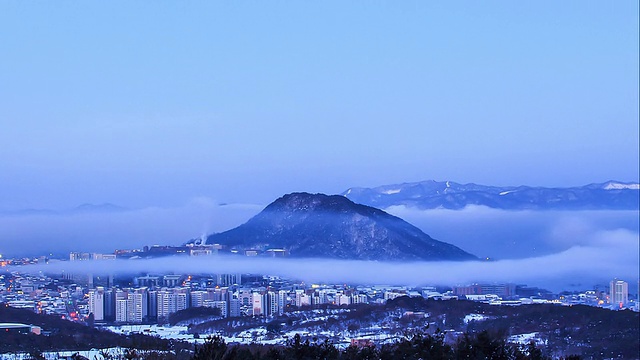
321 226
81 209
430 194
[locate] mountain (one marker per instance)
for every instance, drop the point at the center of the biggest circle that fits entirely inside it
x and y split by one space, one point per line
98 208
78 210
323 226
432 194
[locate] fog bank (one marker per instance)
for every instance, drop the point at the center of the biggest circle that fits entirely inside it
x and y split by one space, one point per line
603 256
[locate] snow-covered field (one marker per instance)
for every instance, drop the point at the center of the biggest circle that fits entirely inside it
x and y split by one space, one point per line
524 339
474 317
165 332
93 354
256 335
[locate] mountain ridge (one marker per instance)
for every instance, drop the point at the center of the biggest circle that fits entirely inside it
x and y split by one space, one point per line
332 226
431 194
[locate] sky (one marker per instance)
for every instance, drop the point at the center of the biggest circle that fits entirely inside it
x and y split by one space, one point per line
155 104
193 116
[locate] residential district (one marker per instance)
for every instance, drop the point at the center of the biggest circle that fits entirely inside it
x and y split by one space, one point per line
152 298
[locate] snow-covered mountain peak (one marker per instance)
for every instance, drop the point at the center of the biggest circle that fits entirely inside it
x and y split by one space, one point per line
621 186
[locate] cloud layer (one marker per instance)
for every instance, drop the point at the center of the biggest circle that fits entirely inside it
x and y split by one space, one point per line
559 250
602 257
63 232
501 234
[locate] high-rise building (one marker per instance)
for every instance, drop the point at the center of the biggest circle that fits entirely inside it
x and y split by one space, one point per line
135 306
96 303
182 300
152 305
150 281
198 297
234 307
343 299
282 301
171 280
144 294
271 304
257 300
110 305
228 279
171 300
244 296
219 304
121 306
618 293
165 304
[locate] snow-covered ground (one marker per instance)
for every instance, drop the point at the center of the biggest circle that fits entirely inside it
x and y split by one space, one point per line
259 335
93 354
524 339
474 317
165 332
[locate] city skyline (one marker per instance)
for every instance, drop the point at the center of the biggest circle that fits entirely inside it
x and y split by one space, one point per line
192 117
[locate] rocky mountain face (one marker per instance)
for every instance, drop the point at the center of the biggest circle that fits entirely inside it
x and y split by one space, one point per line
322 226
432 194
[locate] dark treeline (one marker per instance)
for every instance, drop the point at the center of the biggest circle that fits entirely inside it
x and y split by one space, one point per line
588 331
417 345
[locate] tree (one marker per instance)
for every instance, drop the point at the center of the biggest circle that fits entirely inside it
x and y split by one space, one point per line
274 327
534 352
91 320
214 348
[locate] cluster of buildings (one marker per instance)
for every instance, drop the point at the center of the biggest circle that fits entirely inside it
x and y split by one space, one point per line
616 298
196 248
157 297
152 298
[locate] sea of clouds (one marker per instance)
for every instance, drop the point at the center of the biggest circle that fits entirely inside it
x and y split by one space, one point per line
553 249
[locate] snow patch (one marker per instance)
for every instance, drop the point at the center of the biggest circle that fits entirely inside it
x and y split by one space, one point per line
392 191
474 317
165 332
524 339
619 186
505 192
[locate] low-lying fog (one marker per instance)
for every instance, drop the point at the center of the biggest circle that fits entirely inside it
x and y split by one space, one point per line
502 234
554 249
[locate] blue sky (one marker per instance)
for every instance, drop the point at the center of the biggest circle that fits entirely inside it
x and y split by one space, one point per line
154 103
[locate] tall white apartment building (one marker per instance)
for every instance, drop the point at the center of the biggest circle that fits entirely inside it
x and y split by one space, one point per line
198 297
121 306
135 307
181 299
219 304
234 307
244 296
258 304
359 299
171 300
96 303
165 304
282 301
302 299
343 299
618 292
271 305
